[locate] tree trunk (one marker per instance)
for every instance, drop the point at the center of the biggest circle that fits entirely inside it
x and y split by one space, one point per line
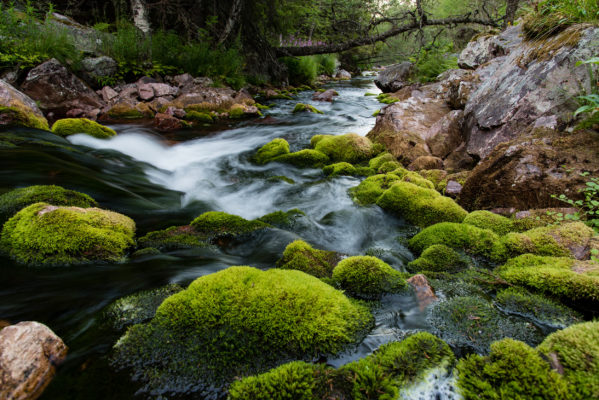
140 15
232 20
510 12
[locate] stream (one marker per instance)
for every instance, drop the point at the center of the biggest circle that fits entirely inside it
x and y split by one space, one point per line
164 180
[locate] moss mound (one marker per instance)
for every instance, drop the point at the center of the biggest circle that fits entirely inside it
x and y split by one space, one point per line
564 278
197 116
300 256
472 324
439 258
19 114
378 161
270 151
512 370
367 277
371 188
338 169
575 351
42 234
410 176
304 159
350 148
238 321
126 111
71 126
17 199
301 107
282 219
173 238
488 220
536 307
214 224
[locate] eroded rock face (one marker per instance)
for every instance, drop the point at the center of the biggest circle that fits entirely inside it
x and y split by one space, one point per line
534 80
29 355
523 174
16 108
486 48
57 90
394 77
446 134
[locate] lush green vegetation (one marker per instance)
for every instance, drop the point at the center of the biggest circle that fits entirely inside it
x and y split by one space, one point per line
552 16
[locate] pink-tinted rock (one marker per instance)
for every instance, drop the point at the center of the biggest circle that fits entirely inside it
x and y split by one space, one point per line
167 123
327 95
29 355
145 92
108 94
162 89
446 134
175 112
424 292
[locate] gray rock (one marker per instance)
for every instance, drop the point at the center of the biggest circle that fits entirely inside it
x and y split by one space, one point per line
343 74
453 189
446 134
394 77
99 66
145 91
162 89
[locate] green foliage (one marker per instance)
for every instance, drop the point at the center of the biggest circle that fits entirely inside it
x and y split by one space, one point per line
433 60
241 320
350 148
367 277
553 16
41 234
512 370
71 126
301 107
588 209
304 70
18 199
216 224
488 220
542 309
300 256
439 258
419 205
589 103
576 350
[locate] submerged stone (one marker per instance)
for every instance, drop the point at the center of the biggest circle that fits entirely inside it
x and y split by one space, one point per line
43 234
301 107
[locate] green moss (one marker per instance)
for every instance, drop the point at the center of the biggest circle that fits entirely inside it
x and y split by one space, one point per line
386 98
365 171
42 234
124 111
378 161
270 151
238 321
539 308
376 113
351 148
236 111
367 277
17 199
370 94
338 169
174 238
371 188
139 307
300 256
282 219
473 323
488 220
575 350
561 277
262 107
304 159
19 114
215 224
412 177
436 176
420 206
72 126
389 166
197 116
512 370
145 252
282 178
439 258
301 107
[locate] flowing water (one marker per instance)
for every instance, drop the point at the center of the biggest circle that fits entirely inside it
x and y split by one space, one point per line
164 180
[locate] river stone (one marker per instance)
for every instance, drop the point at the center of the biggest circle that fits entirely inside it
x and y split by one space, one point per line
343 75
57 90
29 355
12 98
535 79
394 77
327 95
167 123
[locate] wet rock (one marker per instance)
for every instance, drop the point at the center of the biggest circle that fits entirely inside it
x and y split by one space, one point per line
16 108
29 355
453 189
394 77
343 75
327 95
167 123
57 90
525 173
446 134
424 292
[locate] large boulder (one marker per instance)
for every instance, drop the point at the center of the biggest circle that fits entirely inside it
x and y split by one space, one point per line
58 91
17 108
97 67
29 355
484 48
525 173
394 77
446 134
535 80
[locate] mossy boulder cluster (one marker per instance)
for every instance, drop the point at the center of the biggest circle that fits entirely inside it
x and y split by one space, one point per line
238 321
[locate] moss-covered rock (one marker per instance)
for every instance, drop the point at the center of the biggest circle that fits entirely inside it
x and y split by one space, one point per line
378 161
270 151
139 307
472 324
307 158
412 177
487 220
197 116
439 258
575 351
342 168
367 277
541 309
215 224
71 126
561 277
371 188
42 234
512 370
301 107
174 238
238 321
351 148
127 111
17 199
300 256
19 114
420 206
282 219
